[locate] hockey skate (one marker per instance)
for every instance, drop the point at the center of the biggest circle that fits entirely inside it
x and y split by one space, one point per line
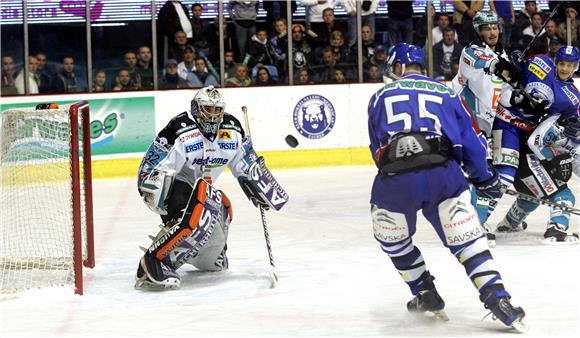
501 308
557 234
430 303
154 275
490 235
504 226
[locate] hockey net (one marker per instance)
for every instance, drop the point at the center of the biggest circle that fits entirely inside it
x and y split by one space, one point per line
46 221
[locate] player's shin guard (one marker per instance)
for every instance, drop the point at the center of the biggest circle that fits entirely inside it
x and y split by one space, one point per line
514 219
558 230
408 260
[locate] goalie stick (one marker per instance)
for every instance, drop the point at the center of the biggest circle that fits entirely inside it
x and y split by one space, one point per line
542 201
273 272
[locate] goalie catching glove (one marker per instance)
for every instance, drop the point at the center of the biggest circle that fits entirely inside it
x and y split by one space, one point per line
257 181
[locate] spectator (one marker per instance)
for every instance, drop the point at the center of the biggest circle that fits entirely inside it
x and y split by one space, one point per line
437 32
130 60
123 81
229 41
174 17
260 51
420 36
300 62
464 11
201 30
554 45
323 31
325 73
276 10
241 78
100 81
279 42
373 75
302 42
171 80
185 67
201 77
314 9
303 77
144 67
43 74
445 51
264 78
572 14
32 77
368 43
369 8
507 18
379 59
65 80
551 32
534 28
523 20
244 14
180 42
8 87
229 64
339 76
400 23
339 48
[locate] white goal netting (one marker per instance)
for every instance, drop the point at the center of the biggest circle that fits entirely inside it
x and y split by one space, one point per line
36 194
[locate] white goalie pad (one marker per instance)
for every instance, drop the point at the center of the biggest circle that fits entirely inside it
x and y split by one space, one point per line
155 188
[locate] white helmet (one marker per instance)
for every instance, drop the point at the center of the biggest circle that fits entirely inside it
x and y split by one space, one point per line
207 108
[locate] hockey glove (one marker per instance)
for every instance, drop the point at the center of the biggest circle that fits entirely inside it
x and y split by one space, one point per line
525 102
490 188
505 70
572 128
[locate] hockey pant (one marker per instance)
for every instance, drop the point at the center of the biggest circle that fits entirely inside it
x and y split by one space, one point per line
506 154
446 204
199 235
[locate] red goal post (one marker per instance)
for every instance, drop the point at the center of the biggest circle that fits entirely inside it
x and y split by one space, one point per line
46 231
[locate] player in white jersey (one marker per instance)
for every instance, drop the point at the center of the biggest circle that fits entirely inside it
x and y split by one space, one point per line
176 180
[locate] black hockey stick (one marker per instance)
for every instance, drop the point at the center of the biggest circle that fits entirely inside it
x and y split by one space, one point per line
549 203
273 272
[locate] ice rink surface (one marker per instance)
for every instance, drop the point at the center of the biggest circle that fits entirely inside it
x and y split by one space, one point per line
334 279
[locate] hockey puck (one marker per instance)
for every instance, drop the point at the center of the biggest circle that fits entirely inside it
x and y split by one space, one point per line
292 141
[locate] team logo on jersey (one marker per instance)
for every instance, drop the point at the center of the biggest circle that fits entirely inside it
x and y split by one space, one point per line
314 116
542 64
537 71
573 98
225 135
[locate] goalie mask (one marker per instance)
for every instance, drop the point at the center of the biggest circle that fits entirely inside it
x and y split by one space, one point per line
207 108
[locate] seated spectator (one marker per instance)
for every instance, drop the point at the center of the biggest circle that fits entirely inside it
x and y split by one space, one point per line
201 77
379 59
32 78
130 60
229 64
303 41
8 87
145 68
263 78
368 43
373 75
260 51
44 75
230 42
100 82
201 30
179 43
443 53
241 77
437 32
339 48
188 64
339 76
171 80
123 81
551 32
574 22
325 73
65 80
534 28
279 42
555 44
303 77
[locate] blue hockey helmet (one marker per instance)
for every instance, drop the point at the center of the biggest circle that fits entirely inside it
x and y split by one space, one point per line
569 54
404 54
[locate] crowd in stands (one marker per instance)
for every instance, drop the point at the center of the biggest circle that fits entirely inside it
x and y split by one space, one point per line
324 46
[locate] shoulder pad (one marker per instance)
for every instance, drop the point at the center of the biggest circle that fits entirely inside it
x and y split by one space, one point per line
181 124
232 123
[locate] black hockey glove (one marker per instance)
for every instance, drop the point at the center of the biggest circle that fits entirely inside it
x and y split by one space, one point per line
572 128
490 188
527 103
506 71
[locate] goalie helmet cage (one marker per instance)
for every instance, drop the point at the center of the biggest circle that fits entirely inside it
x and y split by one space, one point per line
48 243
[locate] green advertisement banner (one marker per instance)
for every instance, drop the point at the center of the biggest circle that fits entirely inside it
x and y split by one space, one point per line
118 126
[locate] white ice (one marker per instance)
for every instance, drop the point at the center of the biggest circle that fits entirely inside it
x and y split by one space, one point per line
334 279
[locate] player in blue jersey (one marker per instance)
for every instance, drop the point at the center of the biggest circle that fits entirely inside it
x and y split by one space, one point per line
420 135
546 157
